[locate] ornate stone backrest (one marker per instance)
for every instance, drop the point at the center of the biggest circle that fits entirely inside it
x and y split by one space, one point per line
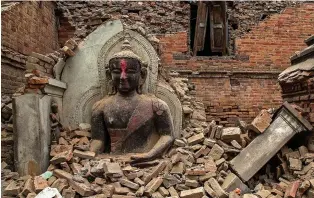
86 79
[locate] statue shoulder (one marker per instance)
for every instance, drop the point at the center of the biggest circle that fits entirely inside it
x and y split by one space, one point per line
159 106
100 105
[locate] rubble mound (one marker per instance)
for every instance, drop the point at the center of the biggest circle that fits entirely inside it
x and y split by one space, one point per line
196 166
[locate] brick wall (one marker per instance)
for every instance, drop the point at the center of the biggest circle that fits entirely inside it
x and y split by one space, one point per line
243 84
26 27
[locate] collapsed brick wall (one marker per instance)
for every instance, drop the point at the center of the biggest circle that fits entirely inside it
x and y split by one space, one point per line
259 43
156 17
247 79
302 94
26 27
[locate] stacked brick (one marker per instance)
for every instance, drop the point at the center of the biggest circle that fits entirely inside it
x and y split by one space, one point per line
297 81
81 18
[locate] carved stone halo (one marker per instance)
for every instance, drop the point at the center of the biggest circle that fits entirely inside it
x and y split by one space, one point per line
141 47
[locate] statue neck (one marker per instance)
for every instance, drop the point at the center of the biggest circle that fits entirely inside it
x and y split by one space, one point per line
128 94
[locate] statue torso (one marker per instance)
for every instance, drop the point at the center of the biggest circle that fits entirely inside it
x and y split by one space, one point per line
130 123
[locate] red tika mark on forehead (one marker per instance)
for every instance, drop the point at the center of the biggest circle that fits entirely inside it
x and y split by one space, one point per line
123 65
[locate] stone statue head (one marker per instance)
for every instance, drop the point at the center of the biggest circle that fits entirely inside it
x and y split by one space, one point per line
126 71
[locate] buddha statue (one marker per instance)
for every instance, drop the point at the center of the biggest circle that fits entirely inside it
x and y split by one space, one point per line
127 121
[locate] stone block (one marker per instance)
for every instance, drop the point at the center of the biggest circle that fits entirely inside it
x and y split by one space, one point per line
295 164
161 166
253 157
198 138
232 182
173 192
191 183
129 184
13 189
84 154
179 142
220 193
231 133
40 183
28 187
163 191
42 57
32 125
209 142
216 152
62 174
193 193
112 169
60 184
153 185
178 168
261 122
62 157
81 188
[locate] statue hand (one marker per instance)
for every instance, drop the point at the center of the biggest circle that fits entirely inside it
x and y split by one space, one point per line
141 157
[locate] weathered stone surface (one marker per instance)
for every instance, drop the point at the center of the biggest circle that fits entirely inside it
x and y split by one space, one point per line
295 164
60 184
33 111
216 152
161 166
173 192
253 157
198 138
40 183
210 165
179 142
217 188
191 183
129 184
13 189
261 122
112 169
62 157
232 182
81 188
178 168
231 133
209 142
163 191
84 154
193 193
153 185
62 174
235 144
28 187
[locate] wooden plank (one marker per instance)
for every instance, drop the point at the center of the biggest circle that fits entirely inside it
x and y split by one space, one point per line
200 29
218 27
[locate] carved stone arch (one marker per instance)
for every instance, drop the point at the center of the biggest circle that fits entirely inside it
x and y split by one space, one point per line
83 108
141 46
168 95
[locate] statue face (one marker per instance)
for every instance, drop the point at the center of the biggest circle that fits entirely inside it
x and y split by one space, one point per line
125 74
